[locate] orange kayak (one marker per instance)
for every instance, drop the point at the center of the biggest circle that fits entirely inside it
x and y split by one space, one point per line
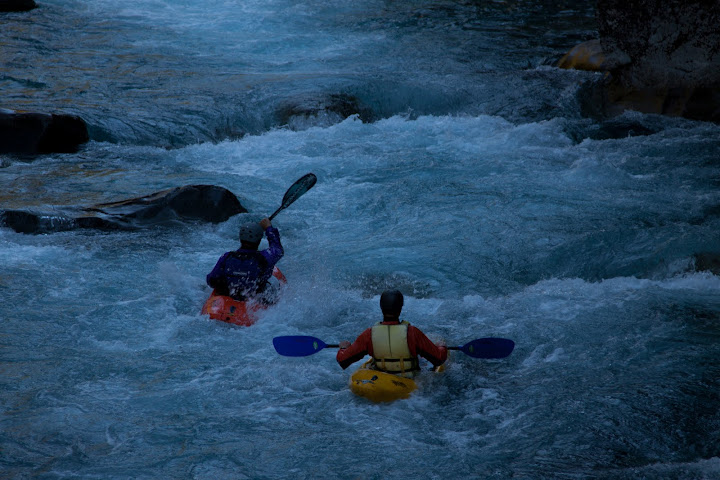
227 309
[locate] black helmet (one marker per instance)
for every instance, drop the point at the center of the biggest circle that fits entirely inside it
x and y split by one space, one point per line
391 303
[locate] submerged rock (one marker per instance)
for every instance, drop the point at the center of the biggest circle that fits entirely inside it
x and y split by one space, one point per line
17 5
322 111
33 133
707 261
622 126
206 203
660 56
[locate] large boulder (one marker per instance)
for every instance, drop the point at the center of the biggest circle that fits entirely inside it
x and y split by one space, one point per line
17 5
33 133
193 202
205 203
661 56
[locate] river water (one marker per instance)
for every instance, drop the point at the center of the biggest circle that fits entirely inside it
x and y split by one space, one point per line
472 180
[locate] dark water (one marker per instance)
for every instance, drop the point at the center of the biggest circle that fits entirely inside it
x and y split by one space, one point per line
469 178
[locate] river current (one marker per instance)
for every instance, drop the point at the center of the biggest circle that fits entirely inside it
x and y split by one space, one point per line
473 179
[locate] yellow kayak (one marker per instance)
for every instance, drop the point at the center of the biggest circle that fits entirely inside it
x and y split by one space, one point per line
379 386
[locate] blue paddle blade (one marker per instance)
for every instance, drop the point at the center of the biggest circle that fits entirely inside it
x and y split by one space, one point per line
298 345
489 347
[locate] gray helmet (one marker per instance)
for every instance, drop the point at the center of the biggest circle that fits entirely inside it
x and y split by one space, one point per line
251 232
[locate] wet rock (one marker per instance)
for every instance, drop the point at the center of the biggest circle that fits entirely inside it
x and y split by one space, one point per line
661 56
17 5
589 56
193 202
206 203
34 133
667 42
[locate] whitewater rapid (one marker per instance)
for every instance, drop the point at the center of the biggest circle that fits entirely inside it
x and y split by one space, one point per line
478 189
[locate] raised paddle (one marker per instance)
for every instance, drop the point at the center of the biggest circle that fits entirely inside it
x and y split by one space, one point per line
296 190
303 345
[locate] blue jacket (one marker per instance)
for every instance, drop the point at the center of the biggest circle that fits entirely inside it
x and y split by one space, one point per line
244 273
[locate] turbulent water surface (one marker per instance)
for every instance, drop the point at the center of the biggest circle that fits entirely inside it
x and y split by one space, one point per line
470 178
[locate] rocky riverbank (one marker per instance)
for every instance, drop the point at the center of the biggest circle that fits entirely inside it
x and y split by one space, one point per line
659 57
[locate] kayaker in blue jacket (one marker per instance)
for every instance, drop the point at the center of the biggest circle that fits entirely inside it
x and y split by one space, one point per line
243 274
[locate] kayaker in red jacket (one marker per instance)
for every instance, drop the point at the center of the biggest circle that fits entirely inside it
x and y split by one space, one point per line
394 345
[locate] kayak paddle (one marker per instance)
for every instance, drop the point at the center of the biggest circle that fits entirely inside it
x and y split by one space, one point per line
303 345
489 347
299 345
296 190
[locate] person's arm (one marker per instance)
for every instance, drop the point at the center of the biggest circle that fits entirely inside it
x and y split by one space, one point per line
424 347
275 251
349 354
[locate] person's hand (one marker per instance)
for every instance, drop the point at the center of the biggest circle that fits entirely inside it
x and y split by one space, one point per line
265 223
344 344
